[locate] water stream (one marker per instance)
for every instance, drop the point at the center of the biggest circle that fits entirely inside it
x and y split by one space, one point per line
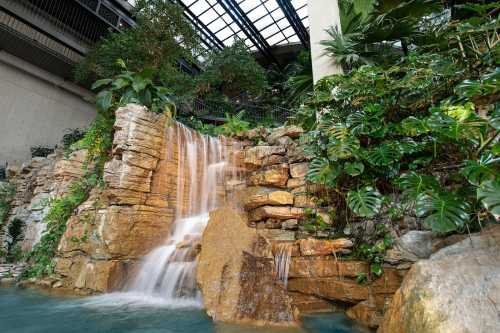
168 273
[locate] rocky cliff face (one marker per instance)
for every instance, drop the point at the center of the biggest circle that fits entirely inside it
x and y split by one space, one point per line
130 216
257 263
37 181
239 265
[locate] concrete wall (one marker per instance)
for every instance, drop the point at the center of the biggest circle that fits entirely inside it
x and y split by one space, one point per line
322 15
35 108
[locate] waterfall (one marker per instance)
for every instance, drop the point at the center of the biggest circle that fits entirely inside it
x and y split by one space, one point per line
169 271
282 259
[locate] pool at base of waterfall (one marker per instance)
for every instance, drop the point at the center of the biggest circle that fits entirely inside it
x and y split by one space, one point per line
32 311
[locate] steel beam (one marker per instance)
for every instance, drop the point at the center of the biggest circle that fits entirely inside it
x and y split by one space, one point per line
238 15
205 31
295 21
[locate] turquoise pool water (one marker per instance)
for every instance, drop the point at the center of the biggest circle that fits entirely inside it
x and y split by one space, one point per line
29 311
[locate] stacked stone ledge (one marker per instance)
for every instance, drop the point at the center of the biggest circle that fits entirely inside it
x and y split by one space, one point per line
276 199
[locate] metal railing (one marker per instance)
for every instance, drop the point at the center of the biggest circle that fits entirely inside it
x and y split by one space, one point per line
217 111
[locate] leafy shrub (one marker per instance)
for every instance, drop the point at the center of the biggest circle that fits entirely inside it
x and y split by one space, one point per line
7 191
154 44
392 129
71 136
41 151
41 257
232 71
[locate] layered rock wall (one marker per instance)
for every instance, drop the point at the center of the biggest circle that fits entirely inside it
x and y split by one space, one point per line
130 215
268 217
37 182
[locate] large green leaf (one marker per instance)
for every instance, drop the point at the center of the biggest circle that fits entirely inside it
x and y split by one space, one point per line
342 149
383 155
365 202
489 195
100 83
413 184
494 119
354 168
481 170
323 172
443 212
413 126
103 100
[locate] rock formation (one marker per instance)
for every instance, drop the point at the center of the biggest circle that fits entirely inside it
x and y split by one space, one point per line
456 290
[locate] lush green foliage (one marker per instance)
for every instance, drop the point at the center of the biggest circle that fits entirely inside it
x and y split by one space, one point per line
72 136
416 134
41 257
7 191
14 251
374 253
232 71
154 44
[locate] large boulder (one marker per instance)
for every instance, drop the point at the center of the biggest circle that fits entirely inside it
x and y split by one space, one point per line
237 283
457 290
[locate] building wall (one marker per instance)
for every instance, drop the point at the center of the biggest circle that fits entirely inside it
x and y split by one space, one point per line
322 15
36 108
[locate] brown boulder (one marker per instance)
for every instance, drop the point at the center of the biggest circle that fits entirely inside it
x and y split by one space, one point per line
299 170
276 212
240 287
319 247
456 290
278 198
289 131
276 175
331 288
314 267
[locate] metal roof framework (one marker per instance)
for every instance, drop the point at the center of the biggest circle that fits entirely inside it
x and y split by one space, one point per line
260 24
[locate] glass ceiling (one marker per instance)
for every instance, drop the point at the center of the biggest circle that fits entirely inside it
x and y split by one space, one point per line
261 24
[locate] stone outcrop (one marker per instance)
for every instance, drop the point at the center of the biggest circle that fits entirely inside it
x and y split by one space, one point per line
456 290
235 274
36 182
130 216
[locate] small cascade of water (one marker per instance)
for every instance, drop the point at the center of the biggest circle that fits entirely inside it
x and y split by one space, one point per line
282 259
169 271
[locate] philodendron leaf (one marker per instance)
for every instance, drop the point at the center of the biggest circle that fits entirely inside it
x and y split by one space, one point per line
100 83
443 212
103 100
354 168
342 149
365 202
414 184
494 119
489 195
481 170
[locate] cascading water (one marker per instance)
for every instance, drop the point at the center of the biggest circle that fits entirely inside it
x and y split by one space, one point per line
169 271
282 260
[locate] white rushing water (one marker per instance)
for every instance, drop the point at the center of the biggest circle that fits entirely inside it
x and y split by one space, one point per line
167 275
282 260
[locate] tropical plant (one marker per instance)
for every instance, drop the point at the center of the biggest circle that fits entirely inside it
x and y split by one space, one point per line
234 125
377 31
232 71
7 191
41 257
154 43
412 129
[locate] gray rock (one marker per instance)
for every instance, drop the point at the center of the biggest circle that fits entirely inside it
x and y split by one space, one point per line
457 290
411 246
